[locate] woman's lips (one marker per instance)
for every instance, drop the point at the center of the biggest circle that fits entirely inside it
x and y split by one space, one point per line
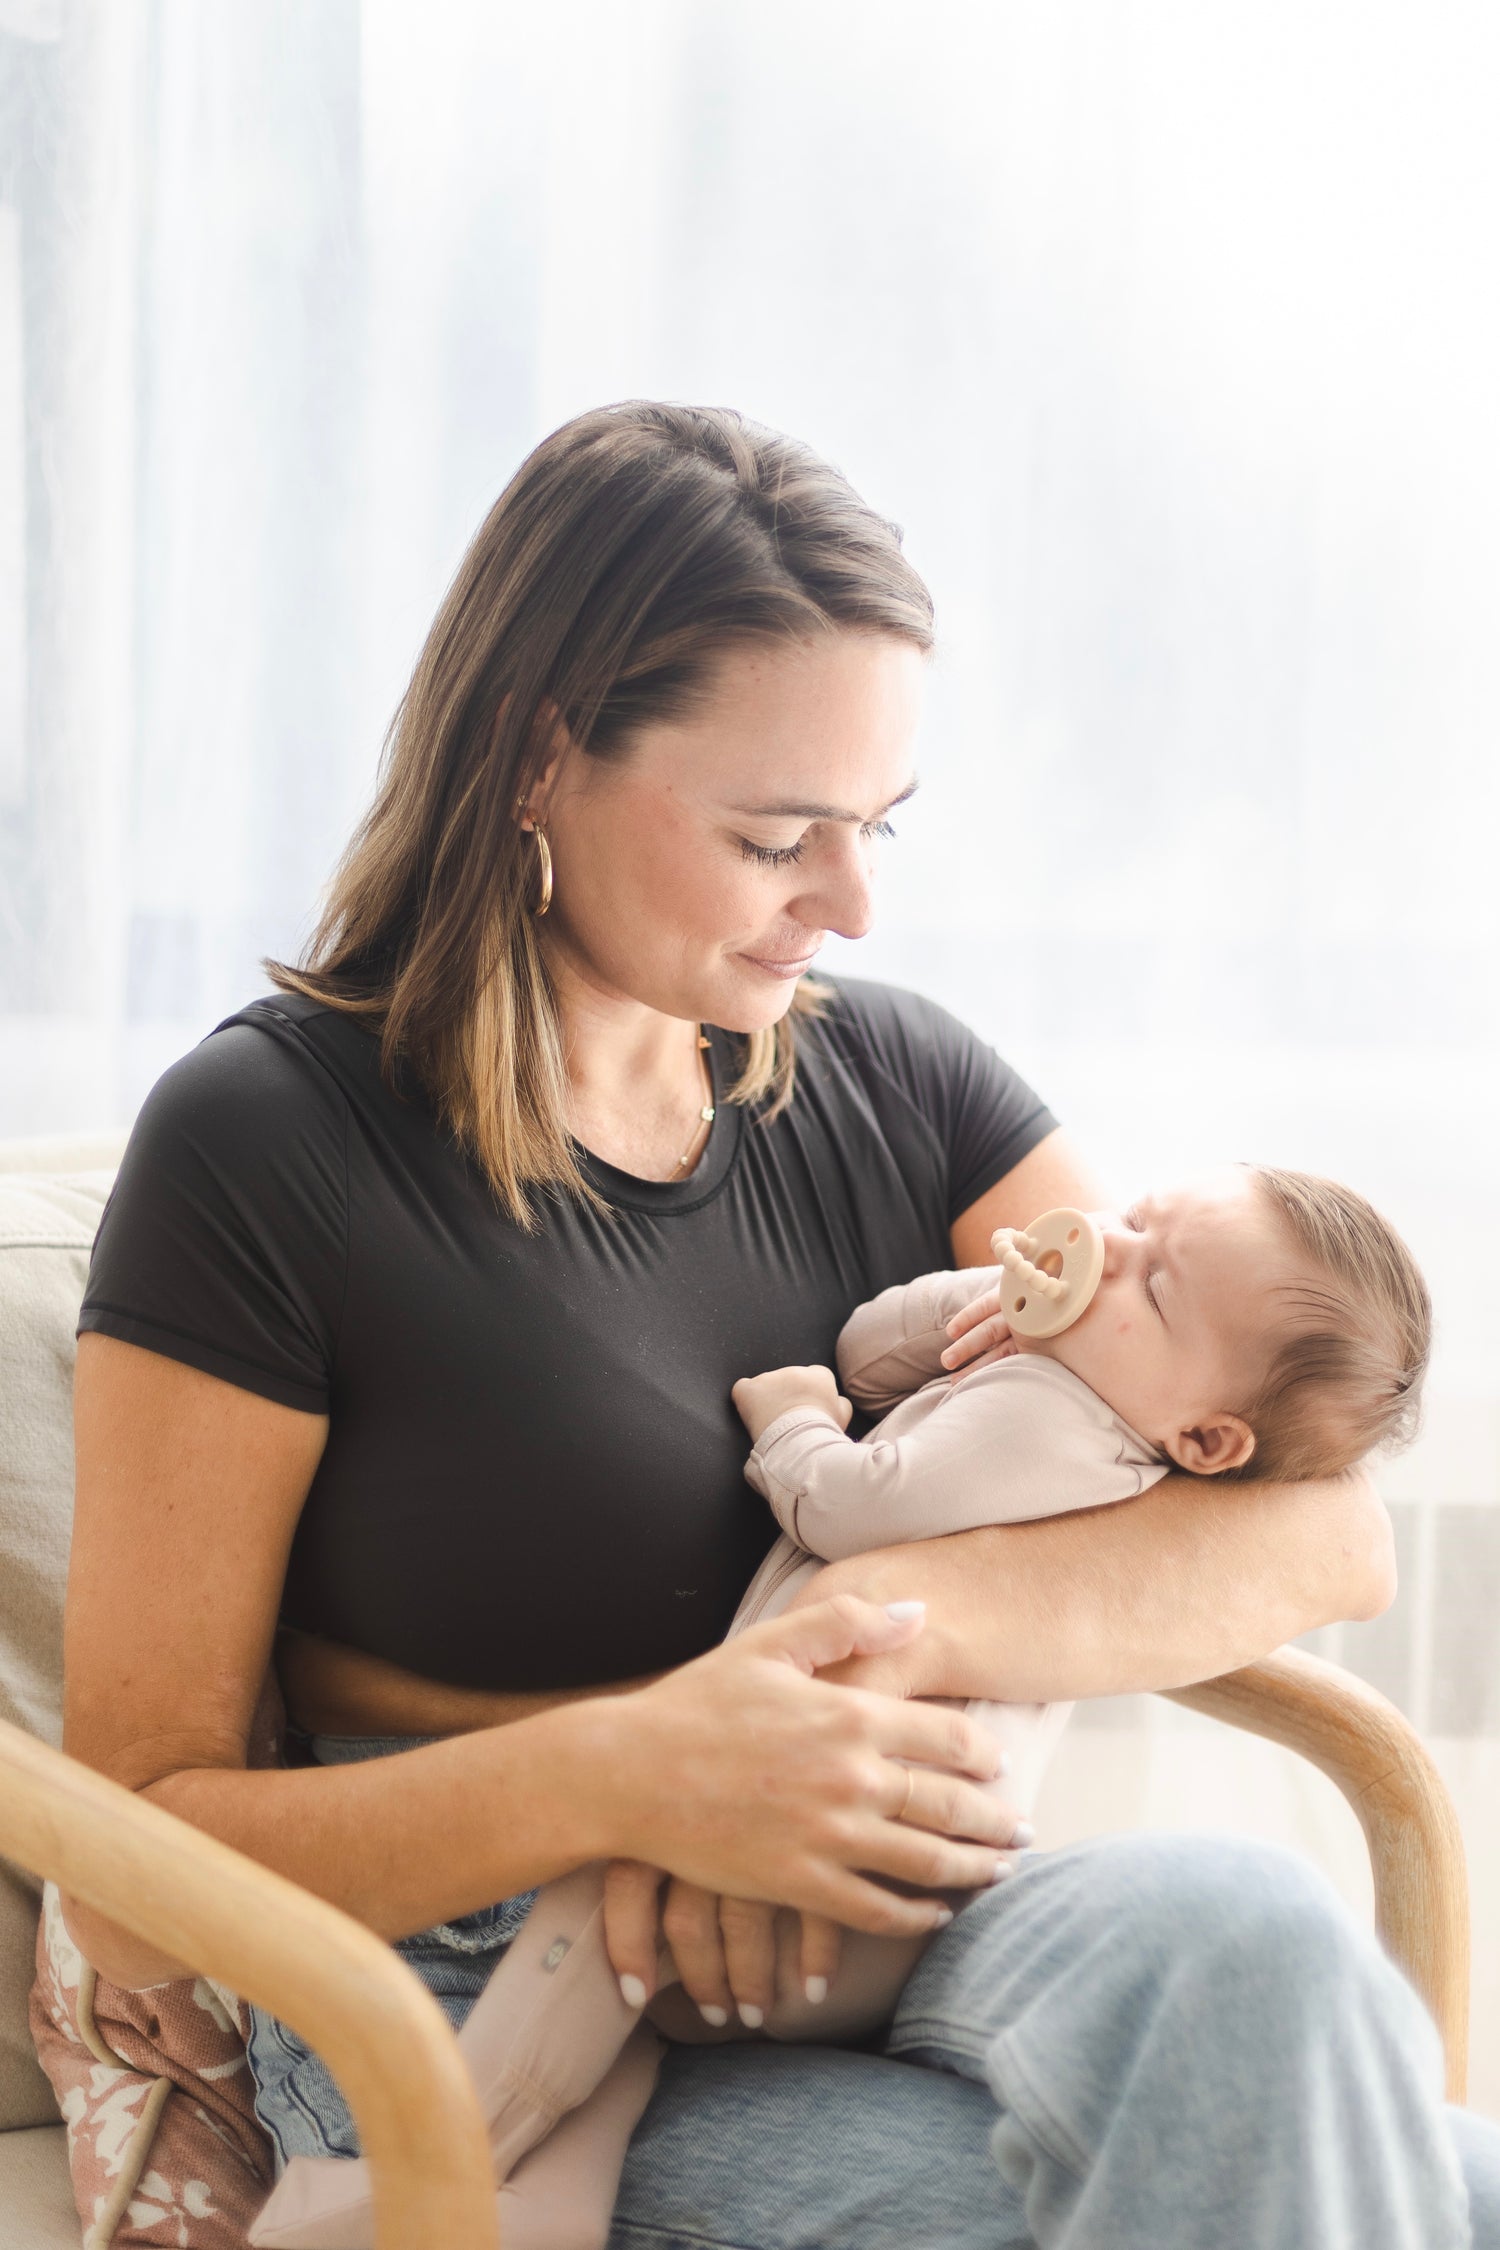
797 967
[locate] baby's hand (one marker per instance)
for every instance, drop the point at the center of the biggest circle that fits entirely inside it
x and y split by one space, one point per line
980 1333
762 1399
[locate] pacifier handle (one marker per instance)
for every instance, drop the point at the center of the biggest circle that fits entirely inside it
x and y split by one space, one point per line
1051 1271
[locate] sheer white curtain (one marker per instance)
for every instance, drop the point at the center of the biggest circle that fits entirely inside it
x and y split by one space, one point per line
1171 336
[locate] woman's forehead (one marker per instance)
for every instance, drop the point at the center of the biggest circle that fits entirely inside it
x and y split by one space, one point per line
822 729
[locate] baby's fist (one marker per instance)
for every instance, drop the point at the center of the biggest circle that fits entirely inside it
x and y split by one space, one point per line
763 1399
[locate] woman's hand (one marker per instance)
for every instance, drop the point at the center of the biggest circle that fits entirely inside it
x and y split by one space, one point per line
746 1776
723 1950
980 1333
762 1399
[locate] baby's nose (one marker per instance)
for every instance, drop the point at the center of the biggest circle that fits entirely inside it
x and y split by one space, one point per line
1118 1239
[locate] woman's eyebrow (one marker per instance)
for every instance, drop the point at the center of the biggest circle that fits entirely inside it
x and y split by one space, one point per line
789 809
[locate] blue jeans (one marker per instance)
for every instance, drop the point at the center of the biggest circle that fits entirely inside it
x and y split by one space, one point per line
1143 2043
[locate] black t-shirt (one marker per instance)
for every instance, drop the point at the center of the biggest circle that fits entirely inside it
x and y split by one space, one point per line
533 1475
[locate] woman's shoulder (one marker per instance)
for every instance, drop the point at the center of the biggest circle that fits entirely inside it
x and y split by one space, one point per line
927 1074
224 1243
258 1071
903 1033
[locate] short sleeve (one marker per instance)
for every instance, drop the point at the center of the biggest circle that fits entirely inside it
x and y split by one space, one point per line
224 1242
982 1112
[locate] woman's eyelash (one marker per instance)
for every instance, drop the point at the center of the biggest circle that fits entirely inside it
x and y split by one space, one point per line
784 855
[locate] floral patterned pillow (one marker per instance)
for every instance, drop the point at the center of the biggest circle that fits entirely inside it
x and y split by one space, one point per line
155 2090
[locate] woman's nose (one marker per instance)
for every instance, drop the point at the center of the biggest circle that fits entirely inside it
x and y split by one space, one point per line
842 900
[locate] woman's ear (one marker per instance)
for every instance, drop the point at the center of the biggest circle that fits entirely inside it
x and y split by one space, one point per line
1222 1442
551 743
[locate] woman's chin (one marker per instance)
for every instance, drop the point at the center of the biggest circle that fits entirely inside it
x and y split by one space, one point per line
753 998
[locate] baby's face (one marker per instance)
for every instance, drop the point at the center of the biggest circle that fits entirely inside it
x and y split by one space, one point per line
1177 1334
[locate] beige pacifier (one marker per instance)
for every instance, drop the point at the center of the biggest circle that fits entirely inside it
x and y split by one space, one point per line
1052 1269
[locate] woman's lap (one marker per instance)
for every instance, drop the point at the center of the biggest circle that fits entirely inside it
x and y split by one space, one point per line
809 2148
1159 2015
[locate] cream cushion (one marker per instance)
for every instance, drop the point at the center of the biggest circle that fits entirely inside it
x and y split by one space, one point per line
37 2211
51 1195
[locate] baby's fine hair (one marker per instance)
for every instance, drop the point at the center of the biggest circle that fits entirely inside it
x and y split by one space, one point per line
1345 1373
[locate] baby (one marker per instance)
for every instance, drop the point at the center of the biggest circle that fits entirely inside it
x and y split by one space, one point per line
1254 1323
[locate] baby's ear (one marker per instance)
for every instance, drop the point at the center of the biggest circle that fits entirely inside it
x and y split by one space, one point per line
1222 1442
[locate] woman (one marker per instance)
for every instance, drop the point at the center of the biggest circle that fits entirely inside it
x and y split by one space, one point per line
411 1326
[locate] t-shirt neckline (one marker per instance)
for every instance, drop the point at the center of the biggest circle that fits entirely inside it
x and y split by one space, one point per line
713 1166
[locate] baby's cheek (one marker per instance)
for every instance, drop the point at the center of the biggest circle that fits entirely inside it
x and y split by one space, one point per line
1107 1353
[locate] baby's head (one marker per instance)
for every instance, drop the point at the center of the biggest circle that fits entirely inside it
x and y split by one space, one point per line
1255 1322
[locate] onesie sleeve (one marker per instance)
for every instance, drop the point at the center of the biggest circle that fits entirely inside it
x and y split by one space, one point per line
891 1346
1019 1439
225 1241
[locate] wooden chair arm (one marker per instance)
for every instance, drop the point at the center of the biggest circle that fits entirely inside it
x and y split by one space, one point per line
380 2031
1416 1846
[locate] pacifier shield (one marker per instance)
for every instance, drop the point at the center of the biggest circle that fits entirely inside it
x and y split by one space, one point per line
1052 1270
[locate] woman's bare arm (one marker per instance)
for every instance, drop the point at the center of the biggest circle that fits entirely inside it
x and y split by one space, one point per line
1055 1172
1190 1580
188 1492
742 1769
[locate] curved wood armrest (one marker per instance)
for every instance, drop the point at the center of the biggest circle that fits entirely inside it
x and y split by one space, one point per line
1416 1846
380 2031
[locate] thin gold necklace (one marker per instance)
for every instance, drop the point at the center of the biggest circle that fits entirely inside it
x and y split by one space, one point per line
705 1114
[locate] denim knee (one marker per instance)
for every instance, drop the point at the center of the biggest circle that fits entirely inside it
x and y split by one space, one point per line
1218 1929
1243 1913
1253 1924
1194 1888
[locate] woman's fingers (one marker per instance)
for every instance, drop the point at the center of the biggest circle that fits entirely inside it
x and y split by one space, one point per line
932 1734
748 1927
943 1833
690 1922
828 1632
631 1897
818 1954
858 1904
945 1806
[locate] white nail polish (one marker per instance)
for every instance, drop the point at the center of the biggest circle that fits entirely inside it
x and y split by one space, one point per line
901 1611
632 1992
1022 1835
1004 1869
750 2016
942 1917
712 2013
816 1989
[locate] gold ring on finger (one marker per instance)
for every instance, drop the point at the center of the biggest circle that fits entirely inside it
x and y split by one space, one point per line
905 1805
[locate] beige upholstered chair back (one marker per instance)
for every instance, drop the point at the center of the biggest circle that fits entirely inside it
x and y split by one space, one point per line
51 1195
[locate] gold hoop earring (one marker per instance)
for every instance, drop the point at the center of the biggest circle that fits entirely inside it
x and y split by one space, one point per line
544 856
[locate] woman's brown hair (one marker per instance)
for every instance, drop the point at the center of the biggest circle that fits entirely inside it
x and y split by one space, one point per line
632 549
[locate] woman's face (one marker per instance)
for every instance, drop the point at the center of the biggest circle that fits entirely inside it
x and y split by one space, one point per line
699 872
